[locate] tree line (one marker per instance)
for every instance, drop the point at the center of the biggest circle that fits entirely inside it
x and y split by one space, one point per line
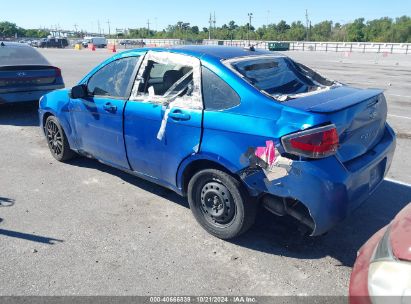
378 30
11 30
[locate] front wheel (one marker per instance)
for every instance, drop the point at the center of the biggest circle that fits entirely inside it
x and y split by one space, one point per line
220 204
57 140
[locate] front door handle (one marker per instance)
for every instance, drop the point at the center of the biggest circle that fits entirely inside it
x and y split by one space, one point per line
109 107
178 114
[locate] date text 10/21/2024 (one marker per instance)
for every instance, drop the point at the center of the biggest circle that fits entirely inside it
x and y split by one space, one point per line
203 299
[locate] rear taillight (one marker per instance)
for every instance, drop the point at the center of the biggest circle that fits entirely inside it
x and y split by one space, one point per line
313 143
58 72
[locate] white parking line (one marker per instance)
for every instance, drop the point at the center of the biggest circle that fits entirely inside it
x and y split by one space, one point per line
398 182
398 95
399 116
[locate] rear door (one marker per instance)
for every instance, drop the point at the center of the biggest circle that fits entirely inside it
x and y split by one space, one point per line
98 119
164 114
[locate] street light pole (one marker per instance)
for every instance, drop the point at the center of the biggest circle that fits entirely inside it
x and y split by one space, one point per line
250 16
307 21
99 28
210 21
148 28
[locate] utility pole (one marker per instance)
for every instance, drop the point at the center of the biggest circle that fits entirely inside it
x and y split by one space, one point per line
75 27
309 28
148 28
98 27
250 16
307 22
210 21
109 29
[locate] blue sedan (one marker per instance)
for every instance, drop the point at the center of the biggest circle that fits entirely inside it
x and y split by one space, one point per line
25 75
231 129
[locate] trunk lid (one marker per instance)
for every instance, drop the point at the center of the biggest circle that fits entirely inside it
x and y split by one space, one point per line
359 115
23 77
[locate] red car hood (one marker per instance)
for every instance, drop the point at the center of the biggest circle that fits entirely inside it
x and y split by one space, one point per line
400 234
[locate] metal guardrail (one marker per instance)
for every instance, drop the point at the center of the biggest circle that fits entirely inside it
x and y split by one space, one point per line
148 42
358 47
313 46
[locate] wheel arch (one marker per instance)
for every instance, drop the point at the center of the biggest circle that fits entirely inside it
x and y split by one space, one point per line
64 124
46 115
194 164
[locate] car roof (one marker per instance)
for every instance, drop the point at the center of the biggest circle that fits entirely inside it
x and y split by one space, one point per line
218 52
221 52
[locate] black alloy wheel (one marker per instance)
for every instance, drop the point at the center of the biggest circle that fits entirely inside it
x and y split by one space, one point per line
57 140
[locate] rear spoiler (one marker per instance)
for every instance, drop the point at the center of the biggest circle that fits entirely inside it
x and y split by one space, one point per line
333 100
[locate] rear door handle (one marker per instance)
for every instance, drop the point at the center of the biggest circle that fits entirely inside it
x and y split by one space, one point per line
178 114
109 107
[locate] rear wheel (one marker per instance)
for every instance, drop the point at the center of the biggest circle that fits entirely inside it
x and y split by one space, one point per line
57 140
219 203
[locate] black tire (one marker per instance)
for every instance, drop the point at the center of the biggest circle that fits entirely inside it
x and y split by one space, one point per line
220 204
57 140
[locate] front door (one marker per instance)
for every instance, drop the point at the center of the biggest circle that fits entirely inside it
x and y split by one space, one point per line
98 119
164 114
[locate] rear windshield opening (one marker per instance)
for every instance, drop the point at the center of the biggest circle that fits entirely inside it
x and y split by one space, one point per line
20 55
280 77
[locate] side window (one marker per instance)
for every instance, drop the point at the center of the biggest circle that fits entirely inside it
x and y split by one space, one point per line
166 80
113 79
169 79
217 94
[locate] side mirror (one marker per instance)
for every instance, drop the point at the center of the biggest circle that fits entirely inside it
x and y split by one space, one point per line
79 91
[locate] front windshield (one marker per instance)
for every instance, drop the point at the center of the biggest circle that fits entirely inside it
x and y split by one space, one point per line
279 77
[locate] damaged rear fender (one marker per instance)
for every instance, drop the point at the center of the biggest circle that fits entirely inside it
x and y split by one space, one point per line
199 161
319 189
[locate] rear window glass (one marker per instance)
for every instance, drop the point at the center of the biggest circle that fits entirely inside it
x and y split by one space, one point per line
20 55
280 76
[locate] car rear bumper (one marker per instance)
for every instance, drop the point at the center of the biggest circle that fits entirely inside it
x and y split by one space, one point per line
328 188
24 96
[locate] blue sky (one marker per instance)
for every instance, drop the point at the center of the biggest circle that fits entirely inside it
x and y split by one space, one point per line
134 13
